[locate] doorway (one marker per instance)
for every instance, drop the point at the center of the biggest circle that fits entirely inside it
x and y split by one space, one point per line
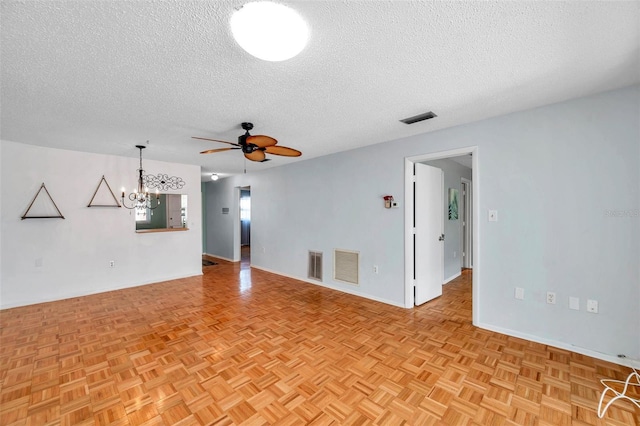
245 225
411 213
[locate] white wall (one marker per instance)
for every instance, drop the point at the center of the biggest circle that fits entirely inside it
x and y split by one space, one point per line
74 253
553 173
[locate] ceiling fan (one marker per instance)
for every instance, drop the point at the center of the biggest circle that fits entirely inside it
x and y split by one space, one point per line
254 147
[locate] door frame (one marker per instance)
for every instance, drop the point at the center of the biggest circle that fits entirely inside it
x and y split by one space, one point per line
237 239
236 224
409 212
244 188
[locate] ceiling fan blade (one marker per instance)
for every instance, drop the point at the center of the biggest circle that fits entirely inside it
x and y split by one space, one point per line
256 155
283 150
211 151
214 140
261 141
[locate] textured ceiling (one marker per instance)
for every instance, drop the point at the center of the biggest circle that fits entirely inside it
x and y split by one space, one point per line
103 76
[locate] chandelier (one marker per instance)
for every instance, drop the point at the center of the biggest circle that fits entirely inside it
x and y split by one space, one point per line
140 198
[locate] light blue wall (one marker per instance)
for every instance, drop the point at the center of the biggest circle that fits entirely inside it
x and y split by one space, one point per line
553 173
220 227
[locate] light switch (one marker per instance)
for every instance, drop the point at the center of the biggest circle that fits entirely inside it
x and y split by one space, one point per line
574 303
519 293
493 215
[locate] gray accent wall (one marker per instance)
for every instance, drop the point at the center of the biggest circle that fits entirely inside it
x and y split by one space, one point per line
158 216
564 178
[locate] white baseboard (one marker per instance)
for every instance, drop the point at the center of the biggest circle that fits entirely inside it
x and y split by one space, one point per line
627 362
451 278
329 286
219 257
74 294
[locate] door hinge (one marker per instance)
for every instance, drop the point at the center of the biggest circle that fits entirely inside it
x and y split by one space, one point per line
413 178
414 231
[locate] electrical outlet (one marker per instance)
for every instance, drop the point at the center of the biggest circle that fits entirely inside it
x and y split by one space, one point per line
375 269
551 298
519 293
592 306
112 263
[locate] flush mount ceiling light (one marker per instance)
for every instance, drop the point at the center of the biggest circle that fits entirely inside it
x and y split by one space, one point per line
215 176
269 31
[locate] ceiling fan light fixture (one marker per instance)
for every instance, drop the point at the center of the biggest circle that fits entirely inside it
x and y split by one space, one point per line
269 31
254 147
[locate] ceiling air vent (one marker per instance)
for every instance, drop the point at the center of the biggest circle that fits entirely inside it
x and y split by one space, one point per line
346 265
420 117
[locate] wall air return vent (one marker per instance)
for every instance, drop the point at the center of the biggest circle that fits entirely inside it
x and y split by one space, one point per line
346 264
420 117
315 265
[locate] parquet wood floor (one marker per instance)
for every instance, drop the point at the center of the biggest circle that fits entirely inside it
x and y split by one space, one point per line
242 346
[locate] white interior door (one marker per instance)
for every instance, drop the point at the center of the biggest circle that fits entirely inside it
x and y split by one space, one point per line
429 238
467 223
174 211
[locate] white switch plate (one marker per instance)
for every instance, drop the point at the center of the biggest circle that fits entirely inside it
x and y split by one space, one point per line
574 303
493 215
592 306
519 293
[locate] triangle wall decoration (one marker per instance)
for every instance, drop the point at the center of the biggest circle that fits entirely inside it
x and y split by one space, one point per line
42 215
113 197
